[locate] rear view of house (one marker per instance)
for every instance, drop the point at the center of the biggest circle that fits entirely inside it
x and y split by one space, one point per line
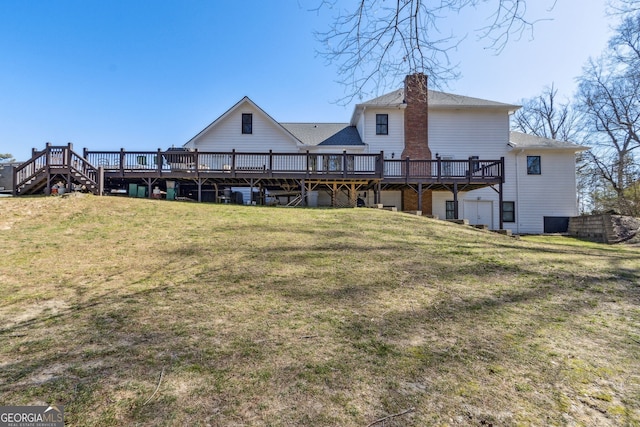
415 149
539 189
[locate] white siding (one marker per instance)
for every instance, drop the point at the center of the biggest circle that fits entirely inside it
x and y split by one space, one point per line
464 133
227 134
552 193
468 203
360 126
460 134
391 143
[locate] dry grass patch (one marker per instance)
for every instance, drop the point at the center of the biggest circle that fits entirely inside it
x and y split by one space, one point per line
263 316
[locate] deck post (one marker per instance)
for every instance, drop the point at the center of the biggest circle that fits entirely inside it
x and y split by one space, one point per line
303 193
199 181
233 163
353 196
48 168
47 190
100 180
419 196
149 189
334 195
407 163
122 162
344 163
456 212
270 163
500 206
307 172
48 156
159 162
196 158
380 164
67 162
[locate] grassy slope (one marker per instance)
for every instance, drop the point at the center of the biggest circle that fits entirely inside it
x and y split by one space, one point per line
264 316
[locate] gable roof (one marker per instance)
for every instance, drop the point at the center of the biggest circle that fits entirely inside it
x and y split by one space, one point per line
521 140
245 100
436 100
316 134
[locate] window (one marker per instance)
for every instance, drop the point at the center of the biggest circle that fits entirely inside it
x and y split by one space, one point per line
533 165
247 123
509 211
450 209
382 124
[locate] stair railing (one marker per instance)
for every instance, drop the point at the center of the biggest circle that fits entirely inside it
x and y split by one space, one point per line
56 159
30 169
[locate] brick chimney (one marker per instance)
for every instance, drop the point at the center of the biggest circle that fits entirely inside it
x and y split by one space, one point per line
416 143
416 136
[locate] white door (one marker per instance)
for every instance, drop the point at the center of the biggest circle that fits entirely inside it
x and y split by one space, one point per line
479 212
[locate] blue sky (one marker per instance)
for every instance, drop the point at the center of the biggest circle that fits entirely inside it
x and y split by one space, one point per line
148 74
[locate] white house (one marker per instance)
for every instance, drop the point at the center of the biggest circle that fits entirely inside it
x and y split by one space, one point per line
539 190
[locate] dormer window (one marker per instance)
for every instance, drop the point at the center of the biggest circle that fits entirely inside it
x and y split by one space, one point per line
247 123
382 124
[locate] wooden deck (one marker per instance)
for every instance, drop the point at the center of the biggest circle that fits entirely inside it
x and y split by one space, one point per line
100 171
238 167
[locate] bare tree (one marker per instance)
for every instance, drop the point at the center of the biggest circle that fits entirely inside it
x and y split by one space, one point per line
621 7
544 116
547 117
609 98
379 42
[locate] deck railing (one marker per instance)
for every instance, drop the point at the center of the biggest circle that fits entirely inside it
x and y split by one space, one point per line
270 164
56 160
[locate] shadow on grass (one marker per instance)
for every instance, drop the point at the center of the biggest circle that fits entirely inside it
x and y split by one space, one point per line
405 333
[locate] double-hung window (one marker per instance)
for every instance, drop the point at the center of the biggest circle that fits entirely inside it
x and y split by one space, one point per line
382 124
509 211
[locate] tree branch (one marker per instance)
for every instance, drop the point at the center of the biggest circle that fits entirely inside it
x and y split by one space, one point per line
399 414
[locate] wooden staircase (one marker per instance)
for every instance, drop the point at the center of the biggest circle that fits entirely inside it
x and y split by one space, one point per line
56 165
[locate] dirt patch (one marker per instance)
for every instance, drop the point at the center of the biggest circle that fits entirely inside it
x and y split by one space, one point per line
34 311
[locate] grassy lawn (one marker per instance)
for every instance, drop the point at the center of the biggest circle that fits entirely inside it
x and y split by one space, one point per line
140 312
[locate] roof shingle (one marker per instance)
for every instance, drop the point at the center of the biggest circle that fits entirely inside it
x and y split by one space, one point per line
314 134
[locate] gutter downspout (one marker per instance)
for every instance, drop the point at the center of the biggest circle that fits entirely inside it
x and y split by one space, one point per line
518 193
